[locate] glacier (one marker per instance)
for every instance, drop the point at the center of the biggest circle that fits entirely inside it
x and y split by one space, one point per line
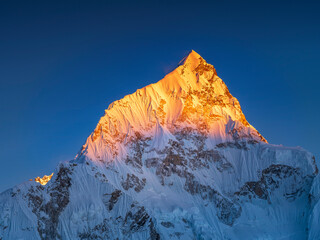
177 159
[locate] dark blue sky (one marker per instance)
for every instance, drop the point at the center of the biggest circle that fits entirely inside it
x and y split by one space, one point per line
62 64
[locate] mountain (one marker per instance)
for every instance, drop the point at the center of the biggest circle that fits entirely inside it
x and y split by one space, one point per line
175 160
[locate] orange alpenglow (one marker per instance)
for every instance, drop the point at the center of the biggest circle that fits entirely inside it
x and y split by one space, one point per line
44 180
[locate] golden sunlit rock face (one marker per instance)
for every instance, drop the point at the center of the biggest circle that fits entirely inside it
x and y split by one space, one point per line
190 98
44 180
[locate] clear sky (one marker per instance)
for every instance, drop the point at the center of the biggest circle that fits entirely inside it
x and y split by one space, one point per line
62 64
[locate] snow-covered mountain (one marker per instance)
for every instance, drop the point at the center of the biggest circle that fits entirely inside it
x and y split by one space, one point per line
175 160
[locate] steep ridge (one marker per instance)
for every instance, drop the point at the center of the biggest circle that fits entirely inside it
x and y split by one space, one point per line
175 160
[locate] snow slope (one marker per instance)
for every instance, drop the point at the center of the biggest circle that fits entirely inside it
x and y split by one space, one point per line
175 160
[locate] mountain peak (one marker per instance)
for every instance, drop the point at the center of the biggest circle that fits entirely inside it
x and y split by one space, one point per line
193 59
190 98
193 54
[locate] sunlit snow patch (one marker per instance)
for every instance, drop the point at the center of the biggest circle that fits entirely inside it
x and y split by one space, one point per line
44 180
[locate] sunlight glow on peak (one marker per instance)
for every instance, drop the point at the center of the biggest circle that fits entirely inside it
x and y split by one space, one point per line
44 180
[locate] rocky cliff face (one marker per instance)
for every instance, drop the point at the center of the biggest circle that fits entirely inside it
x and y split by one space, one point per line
175 160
